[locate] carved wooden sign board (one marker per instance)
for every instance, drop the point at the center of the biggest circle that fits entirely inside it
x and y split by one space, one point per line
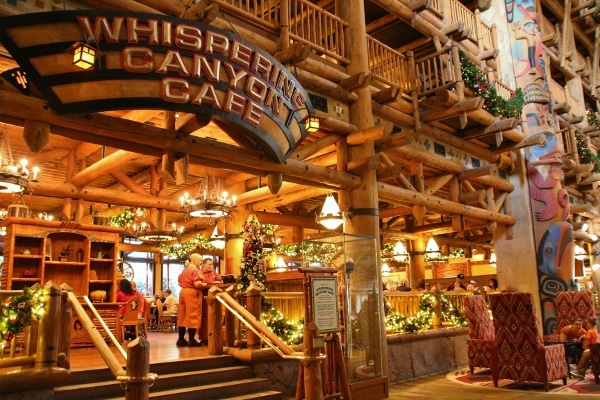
151 61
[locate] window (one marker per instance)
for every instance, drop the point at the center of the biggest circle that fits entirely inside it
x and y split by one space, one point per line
143 270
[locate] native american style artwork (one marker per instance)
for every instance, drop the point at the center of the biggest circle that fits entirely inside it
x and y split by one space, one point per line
549 200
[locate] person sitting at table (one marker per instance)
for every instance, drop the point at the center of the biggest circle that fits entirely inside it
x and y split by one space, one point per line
571 333
170 304
403 287
591 336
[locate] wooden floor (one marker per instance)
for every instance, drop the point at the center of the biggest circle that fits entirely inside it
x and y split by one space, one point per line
162 348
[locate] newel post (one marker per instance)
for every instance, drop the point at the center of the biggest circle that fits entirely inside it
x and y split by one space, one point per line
215 322
253 300
313 385
49 329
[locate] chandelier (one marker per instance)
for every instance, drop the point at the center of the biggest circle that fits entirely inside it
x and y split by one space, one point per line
209 201
14 177
146 232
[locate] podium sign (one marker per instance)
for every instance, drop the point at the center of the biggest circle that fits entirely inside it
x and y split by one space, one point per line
325 305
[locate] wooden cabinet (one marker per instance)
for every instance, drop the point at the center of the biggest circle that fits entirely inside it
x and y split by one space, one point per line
82 256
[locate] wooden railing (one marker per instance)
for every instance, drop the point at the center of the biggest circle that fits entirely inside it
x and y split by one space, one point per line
440 70
502 90
409 303
484 34
435 6
320 29
388 65
458 12
263 13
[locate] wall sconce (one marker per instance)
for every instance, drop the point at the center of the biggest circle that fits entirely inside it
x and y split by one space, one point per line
84 55
493 258
280 265
432 249
385 269
330 216
216 240
400 252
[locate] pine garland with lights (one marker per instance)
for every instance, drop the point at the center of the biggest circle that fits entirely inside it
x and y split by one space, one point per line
181 249
288 331
127 217
423 319
254 267
585 154
479 84
592 118
16 312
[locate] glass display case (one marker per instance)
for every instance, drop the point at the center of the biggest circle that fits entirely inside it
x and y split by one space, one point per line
360 306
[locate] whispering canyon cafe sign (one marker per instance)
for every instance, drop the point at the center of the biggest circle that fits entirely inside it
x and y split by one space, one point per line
152 61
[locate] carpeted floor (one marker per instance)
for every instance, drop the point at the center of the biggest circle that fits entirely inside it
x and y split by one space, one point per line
483 378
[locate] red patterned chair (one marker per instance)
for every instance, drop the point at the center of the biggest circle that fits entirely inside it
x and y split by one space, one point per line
481 343
520 354
571 305
595 361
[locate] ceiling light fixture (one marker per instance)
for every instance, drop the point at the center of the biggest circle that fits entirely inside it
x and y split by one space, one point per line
146 232
14 177
432 250
216 240
209 201
400 252
330 216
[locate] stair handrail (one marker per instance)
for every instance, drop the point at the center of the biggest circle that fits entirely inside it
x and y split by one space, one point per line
109 358
258 328
105 327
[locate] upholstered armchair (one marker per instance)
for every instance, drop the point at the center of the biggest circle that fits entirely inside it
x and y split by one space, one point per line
520 354
571 305
481 332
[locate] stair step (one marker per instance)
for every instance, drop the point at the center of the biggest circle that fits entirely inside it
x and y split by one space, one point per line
103 389
237 390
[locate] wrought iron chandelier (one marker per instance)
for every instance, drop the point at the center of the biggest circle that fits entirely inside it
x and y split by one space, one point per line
209 201
14 177
146 232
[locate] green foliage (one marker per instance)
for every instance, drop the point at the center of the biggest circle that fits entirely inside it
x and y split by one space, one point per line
16 312
585 154
423 319
479 84
181 249
127 217
289 331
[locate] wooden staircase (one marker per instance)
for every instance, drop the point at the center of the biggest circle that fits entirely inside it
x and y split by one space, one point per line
207 378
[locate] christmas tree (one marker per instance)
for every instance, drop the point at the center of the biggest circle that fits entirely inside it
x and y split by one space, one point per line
253 268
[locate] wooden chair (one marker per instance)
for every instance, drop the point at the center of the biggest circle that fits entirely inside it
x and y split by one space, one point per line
520 354
481 342
150 318
132 318
164 317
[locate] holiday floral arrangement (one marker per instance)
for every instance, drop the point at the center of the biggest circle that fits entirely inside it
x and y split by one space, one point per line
253 268
17 312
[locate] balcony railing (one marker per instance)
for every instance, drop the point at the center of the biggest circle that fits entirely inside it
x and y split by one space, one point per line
459 12
388 65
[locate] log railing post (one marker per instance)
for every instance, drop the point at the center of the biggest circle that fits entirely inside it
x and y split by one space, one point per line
138 380
313 386
215 323
64 346
230 321
253 299
49 329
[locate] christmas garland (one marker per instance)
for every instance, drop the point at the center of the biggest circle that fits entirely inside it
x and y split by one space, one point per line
289 331
181 249
478 82
127 217
585 154
16 312
423 319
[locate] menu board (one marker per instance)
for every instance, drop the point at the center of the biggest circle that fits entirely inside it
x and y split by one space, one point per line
324 297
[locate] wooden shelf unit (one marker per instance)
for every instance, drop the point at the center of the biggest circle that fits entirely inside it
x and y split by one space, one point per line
35 251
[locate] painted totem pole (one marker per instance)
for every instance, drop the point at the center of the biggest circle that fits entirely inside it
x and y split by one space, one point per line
549 200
